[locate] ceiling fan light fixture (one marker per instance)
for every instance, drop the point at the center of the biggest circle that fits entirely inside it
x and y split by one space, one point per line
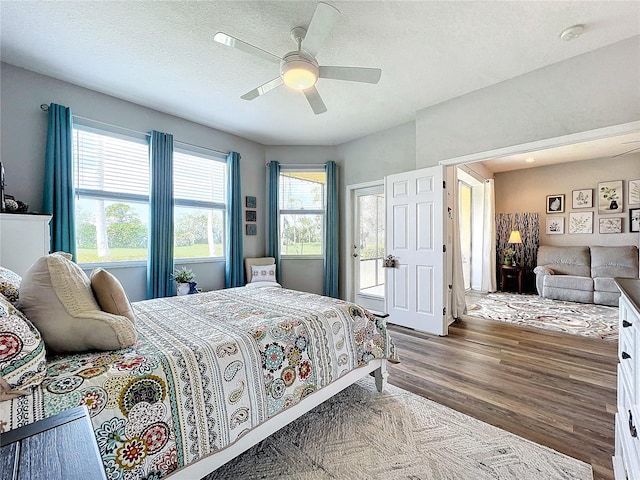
298 73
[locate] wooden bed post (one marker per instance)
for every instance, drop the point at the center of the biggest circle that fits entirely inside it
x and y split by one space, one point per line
381 375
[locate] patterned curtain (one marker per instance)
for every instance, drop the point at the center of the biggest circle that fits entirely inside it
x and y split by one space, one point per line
526 253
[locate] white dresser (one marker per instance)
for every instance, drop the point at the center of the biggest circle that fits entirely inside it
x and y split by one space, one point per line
23 239
626 460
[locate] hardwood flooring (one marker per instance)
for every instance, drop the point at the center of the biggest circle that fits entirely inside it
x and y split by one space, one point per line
555 389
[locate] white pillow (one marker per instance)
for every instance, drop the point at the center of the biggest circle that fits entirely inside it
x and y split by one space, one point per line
263 273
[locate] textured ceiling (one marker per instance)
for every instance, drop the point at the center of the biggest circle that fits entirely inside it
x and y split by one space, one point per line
162 55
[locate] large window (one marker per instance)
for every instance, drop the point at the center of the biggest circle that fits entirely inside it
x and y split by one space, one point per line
112 196
199 189
112 199
302 207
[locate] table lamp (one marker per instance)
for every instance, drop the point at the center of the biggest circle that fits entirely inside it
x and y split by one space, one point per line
515 237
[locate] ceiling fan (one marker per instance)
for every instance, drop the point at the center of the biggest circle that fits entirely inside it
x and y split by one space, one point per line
299 69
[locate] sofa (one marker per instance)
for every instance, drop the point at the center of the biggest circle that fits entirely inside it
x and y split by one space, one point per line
584 274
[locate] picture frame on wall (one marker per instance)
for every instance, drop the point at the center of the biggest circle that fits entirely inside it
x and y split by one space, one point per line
250 215
580 222
250 202
611 225
582 198
610 197
634 219
633 192
555 225
555 203
251 229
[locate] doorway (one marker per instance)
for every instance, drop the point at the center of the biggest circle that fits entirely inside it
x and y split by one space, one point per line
368 247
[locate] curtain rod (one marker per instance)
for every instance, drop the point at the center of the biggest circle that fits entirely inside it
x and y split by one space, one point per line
45 108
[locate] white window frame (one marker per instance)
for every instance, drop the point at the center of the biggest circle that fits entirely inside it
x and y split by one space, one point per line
322 212
178 202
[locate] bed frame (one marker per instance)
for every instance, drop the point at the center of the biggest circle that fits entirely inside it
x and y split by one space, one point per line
210 463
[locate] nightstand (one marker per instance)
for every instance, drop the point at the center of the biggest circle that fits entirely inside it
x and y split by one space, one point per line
511 272
61 447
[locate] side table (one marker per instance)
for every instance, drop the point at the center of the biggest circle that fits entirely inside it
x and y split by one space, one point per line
61 447
511 272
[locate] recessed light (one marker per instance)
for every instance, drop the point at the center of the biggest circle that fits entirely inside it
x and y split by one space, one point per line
530 160
572 33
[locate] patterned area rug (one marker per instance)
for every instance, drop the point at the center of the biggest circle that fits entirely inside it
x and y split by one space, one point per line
363 434
596 321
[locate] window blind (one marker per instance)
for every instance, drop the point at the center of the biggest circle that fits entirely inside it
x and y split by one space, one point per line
302 191
199 179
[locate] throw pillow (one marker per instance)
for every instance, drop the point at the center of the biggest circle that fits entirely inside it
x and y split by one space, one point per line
56 295
263 273
22 353
9 284
110 294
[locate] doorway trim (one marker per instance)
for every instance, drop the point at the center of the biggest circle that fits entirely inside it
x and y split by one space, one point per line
350 290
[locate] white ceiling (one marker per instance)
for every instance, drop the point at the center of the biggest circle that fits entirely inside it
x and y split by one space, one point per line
162 55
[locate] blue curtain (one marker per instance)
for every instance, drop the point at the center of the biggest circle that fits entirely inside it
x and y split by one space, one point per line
160 258
234 272
330 283
58 196
273 234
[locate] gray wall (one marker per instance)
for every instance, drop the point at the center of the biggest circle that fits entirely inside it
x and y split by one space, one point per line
591 91
526 191
23 128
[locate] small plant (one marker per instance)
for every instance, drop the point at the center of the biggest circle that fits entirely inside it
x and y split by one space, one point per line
508 256
184 275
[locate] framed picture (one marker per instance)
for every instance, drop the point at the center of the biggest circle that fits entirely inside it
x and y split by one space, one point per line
250 215
610 197
633 197
555 225
634 219
611 225
581 222
251 229
582 198
555 203
250 202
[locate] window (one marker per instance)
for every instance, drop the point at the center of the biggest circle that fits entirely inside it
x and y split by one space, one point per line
112 196
112 199
200 192
302 207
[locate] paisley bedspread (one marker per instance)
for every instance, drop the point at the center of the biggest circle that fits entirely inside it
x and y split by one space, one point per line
206 369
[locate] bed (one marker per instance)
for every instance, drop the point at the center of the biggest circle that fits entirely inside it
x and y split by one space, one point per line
209 376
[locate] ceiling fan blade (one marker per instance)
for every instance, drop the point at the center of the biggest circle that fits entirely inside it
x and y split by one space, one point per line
230 41
262 89
322 22
630 151
352 74
315 100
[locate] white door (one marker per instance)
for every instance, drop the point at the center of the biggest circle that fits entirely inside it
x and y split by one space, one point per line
415 238
368 247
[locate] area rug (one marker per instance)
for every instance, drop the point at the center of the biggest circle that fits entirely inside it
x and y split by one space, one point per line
596 321
363 434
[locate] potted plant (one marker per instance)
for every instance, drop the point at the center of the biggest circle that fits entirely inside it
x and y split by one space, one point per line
508 256
184 280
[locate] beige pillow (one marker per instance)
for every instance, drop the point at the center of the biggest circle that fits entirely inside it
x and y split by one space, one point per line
110 294
56 295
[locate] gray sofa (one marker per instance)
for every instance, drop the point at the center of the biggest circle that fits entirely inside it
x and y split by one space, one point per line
584 274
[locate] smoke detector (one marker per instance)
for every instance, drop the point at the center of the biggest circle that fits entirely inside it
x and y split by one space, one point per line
571 33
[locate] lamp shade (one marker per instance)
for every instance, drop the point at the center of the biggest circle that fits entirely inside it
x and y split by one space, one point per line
515 237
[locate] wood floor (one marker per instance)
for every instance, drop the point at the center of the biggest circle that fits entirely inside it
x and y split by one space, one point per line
555 389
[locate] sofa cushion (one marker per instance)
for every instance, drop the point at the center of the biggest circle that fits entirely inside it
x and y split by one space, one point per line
612 262
606 298
566 260
570 282
605 285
